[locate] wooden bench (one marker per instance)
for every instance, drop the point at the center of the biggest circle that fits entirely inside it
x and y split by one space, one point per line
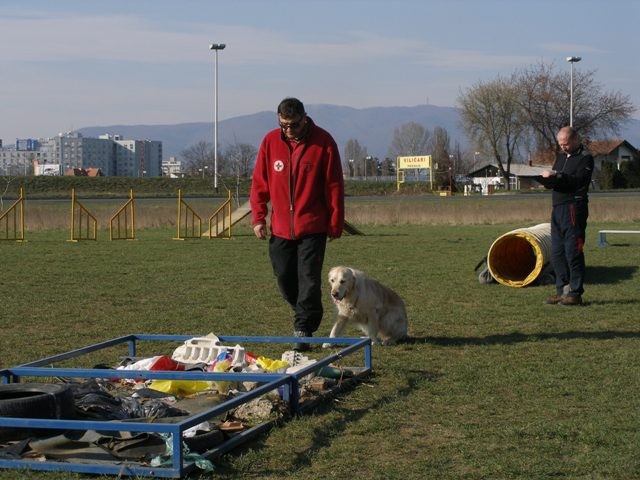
603 235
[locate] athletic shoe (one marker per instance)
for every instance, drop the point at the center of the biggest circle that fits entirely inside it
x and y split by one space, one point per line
301 346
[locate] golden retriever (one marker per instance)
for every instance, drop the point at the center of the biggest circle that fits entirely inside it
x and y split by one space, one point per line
376 309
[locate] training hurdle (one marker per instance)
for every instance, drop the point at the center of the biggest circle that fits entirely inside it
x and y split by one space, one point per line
122 223
220 220
188 221
12 221
603 235
84 226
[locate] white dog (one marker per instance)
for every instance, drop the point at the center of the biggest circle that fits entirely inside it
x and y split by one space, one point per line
377 310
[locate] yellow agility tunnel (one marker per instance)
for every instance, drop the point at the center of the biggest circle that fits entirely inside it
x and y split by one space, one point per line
517 258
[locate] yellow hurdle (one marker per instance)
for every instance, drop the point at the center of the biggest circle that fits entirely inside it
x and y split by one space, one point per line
122 223
84 225
12 221
220 220
188 221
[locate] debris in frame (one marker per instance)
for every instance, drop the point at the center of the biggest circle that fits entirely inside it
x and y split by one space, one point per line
165 415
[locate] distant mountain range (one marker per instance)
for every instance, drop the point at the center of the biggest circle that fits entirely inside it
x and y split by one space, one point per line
372 127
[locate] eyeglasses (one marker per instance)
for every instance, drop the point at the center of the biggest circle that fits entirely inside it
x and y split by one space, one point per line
291 125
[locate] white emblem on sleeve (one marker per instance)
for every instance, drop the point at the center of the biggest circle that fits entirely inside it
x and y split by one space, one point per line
278 165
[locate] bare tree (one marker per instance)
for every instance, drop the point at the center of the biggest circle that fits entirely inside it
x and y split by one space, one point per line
8 180
492 116
440 146
198 156
545 99
410 139
354 155
239 160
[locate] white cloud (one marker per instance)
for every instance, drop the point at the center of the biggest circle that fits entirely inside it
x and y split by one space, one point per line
568 49
130 38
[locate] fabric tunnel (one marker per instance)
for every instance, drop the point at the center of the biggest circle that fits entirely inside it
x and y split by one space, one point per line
517 258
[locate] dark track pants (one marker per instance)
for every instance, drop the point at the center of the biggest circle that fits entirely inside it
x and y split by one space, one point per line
297 265
568 229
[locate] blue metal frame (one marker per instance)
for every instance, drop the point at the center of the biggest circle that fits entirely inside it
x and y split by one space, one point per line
179 467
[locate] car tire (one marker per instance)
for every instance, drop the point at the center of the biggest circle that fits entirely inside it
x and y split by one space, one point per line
34 400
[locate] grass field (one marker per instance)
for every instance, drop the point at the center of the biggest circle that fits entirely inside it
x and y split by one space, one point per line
492 384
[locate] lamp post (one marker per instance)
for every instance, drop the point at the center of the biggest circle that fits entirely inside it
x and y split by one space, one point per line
366 159
216 47
451 160
572 60
204 170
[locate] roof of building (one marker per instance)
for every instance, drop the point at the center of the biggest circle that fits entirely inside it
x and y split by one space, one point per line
606 147
84 172
516 169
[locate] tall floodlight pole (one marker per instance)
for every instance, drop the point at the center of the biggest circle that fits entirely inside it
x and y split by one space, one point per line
216 47
572 60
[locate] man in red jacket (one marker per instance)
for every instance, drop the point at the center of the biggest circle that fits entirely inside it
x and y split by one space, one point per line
298 170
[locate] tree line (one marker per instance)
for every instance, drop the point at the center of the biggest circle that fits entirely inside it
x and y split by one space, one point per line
506 119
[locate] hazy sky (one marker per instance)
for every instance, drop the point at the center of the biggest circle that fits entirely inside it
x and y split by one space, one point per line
67 64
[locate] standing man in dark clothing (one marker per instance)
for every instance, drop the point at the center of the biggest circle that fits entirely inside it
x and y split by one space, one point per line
569 180
298 170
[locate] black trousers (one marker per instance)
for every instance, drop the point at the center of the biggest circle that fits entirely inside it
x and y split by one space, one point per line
297 265
568 229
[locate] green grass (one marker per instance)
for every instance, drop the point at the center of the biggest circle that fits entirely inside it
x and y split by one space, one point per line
493 384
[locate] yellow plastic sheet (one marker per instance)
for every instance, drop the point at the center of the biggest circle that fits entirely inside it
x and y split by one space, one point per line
180 387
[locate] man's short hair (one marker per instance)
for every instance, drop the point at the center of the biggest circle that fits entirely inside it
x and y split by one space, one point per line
291 108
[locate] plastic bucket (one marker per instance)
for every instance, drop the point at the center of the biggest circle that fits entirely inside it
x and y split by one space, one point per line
516 258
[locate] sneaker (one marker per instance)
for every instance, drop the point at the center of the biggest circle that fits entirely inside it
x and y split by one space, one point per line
554 300
571 301
301 346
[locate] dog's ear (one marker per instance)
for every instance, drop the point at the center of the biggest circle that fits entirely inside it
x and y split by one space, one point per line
353 278
332 272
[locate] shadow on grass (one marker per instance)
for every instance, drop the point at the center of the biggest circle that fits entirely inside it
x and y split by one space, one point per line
599 275
337 419
517 337
324 434
375 235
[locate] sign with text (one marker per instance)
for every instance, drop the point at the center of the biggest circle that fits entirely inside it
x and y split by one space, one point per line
423 161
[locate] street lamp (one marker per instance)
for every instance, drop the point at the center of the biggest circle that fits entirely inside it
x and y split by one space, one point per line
451 160
216 47
572 60
204 170
368 157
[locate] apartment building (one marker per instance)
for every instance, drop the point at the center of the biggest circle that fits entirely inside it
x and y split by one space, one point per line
111 154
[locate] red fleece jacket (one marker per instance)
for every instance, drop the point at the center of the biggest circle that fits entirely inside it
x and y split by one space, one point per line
304 183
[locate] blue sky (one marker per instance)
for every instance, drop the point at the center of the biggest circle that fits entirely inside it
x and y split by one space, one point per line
68 64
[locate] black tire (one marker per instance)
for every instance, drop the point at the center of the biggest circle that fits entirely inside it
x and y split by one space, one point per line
36 400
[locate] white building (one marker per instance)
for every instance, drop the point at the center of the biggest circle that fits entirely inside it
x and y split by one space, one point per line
111 154
172 168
